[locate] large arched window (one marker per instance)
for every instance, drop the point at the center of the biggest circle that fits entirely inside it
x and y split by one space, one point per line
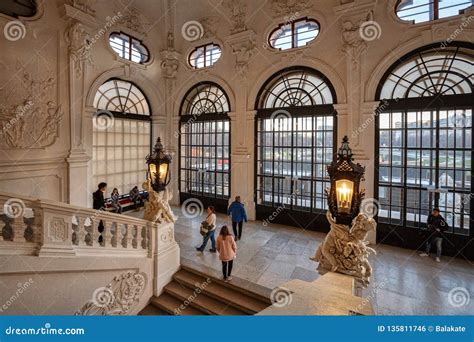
295 135
205 145
121 135
424 143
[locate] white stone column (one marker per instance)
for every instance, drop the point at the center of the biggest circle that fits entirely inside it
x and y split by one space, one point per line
78 39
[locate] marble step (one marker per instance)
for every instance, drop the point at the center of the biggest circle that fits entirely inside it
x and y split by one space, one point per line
169 304
200 300
238 284
221 291
152 310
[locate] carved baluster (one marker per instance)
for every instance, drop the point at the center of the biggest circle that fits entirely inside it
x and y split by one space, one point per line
114 230
122 235
107 235
135 236
81 231
37 226
139 237
75 230
96 222
18 227
129 243
143 234
149 239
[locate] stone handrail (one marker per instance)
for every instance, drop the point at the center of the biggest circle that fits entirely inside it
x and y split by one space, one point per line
31 226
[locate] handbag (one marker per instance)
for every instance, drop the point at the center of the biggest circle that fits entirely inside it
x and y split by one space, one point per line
204 229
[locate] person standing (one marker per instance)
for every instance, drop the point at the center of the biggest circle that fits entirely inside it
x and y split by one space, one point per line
210 226
436 227
115 200
237 211
99 204
227 252
98 197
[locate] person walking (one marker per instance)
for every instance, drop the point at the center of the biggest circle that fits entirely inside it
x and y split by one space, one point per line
208 227
115 201
227 249
98 203
436 227
237 211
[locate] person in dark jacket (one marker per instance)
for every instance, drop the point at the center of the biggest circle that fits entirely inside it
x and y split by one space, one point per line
436 227
99 204
98 197
237 211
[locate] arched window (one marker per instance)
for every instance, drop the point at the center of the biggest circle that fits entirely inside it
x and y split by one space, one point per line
121 135
205 145
16 9
424 142
419 11
129 48
296 131
204 56
294 34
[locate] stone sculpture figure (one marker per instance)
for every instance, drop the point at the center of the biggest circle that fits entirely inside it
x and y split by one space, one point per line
345 251
157 208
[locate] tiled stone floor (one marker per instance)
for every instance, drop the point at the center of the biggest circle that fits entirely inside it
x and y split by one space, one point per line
403 283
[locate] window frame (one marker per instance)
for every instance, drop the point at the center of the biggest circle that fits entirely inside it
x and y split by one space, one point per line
293 33
407 230
304 214
129 117
193 119
131 40
204 46
434 9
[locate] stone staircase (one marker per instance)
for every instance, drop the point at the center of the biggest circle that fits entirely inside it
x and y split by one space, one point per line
193 292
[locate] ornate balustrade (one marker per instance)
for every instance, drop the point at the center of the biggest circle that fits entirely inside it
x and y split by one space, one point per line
30 226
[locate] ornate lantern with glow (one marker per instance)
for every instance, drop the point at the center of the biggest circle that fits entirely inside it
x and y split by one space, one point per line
344 197
158 167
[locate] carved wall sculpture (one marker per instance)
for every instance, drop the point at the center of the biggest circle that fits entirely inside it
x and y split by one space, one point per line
237 15
79 46
118 297
87 6
210 27
134 20
29 115
289 7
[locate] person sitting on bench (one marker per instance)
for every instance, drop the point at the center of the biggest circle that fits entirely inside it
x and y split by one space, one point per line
136 198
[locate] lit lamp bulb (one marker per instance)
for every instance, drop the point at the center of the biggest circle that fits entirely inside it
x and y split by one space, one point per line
152 172
344 189
163 172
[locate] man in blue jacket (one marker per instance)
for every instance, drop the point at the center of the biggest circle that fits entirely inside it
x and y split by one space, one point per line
237 210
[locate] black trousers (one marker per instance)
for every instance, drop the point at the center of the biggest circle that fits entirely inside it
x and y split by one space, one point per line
227 268
237 234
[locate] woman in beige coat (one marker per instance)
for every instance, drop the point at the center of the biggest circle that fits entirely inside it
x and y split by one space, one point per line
227 249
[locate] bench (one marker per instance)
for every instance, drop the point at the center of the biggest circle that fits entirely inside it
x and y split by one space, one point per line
125 202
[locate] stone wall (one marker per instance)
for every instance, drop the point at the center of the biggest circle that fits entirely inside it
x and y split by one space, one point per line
50 68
